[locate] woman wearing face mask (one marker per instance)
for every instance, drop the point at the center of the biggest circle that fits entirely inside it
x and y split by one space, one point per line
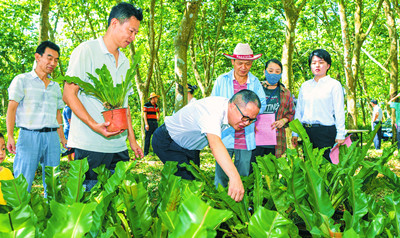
279 102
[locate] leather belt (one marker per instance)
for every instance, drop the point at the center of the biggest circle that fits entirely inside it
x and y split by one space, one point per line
45 129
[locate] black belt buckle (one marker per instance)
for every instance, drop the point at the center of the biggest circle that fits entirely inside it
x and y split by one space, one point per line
307 125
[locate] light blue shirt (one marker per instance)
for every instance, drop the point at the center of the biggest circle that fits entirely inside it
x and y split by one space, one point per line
37 105
87 57
190 125
322 103
223 86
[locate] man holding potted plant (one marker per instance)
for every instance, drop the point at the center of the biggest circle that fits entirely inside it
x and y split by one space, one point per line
88 132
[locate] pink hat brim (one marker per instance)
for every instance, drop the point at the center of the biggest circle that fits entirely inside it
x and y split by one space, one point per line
242 58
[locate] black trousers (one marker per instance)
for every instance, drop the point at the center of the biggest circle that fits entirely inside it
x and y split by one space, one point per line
153 125
259 151
321 137
167 150
95 159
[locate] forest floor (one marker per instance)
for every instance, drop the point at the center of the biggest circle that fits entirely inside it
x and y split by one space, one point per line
151 166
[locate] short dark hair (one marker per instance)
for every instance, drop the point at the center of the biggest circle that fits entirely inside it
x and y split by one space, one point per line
42 47
374 101
321 53
124 11
1 136
191 88
246 96
273 61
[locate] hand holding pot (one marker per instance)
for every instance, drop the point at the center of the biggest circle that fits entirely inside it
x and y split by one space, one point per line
102 129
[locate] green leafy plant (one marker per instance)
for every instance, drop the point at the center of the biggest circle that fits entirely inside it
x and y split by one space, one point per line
103 88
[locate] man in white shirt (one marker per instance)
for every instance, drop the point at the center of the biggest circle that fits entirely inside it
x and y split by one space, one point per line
320 105
88 132
376 118
200 123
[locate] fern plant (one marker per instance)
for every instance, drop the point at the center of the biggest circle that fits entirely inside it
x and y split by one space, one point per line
103 87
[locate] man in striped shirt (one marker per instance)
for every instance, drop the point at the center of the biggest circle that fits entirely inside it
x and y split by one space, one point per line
241 142
34 106
151 114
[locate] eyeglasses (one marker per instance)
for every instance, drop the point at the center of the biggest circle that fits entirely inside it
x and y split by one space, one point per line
246 118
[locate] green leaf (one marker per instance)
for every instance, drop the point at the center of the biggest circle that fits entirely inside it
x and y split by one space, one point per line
53 183
19 222
197 219
270 166
315 186
116 179
393 210
69 220
74 189
298 128
359 202
138 207
351 233
267 223
98 216
15 191
258 193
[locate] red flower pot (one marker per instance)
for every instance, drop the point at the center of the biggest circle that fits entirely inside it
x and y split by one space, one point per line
117 119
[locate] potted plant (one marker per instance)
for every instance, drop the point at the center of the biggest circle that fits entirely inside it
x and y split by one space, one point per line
112 96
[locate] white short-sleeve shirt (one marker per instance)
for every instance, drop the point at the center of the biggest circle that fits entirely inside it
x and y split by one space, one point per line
37 104
87 57
190 125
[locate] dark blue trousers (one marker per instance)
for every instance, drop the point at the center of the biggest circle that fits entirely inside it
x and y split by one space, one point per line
378 136
167 150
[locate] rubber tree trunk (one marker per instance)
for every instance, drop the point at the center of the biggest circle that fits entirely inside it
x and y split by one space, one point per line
181 43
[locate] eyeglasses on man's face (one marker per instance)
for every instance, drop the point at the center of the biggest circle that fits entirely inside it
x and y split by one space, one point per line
246 118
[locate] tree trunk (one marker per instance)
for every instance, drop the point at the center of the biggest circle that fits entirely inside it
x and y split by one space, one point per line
143 87
291 16
393 70
351 55
44 25
181 43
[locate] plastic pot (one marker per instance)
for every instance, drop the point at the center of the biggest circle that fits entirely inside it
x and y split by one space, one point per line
117 119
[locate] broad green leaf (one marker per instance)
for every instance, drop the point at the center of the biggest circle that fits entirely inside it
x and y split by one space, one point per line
359 202
169 219
116 179
269 167
351 233
315 186
98 216
69 220
74 189
393 210
267 223
197 219
376 226
19 221
15 191
297 127
258 192
52 175
41 208
138 207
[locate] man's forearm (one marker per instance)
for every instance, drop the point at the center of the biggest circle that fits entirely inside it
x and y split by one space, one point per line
131 133
10 118
60 129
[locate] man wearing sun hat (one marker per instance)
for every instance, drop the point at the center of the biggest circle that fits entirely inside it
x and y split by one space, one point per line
239 143
151 114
